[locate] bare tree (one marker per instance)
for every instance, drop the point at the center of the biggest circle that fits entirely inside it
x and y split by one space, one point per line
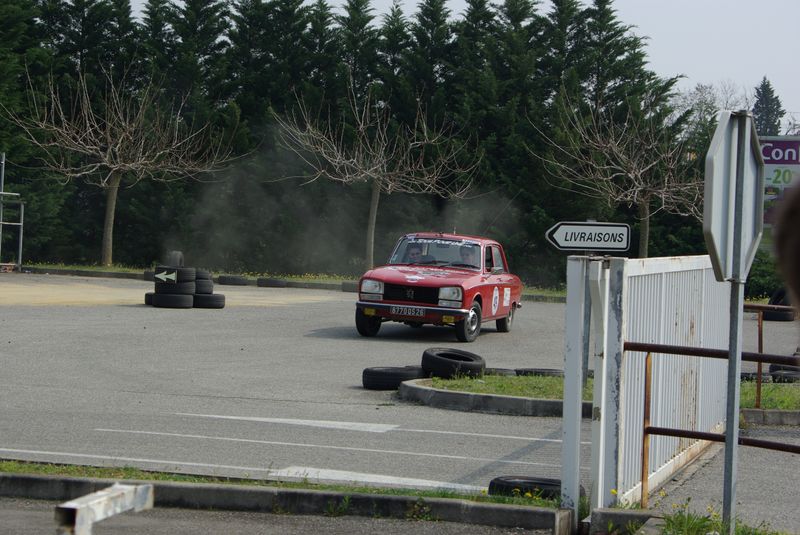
115 135
367 146
634 161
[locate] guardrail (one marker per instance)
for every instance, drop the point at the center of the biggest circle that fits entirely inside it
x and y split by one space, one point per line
648 430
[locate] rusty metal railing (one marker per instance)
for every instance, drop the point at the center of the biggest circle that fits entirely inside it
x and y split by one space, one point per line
648 430
760 309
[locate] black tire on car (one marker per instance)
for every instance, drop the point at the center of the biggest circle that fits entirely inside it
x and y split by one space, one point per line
542 372
265 282
182 274
204 286
179 288
389 378
468 329
542 487
448 363
209 301
148 298
232 280
504 324
779 297
367 325
173 301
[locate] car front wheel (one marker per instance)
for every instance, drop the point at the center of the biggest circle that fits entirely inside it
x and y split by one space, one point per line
367 325
468 329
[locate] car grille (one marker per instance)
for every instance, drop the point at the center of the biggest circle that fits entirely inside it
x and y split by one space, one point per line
415 294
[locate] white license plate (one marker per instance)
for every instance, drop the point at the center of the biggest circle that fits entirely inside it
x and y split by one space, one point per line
416 312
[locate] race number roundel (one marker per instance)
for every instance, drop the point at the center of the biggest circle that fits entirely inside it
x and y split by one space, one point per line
495 300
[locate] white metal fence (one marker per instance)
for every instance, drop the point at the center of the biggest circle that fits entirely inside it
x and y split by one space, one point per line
673 301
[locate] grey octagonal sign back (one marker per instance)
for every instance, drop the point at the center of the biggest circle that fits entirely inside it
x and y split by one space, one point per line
719 209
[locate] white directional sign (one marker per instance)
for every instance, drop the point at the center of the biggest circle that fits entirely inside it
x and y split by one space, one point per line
720 202
168 275
589 236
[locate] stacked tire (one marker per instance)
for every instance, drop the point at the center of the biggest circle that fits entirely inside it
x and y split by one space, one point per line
436 362
192 288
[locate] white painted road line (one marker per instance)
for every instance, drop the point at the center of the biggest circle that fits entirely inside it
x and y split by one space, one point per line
368 427
328 447
292 473
327 424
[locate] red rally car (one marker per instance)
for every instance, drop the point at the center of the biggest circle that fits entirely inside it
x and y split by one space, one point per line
442 279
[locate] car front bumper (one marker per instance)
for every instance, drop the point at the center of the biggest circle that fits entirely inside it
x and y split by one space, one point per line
429 314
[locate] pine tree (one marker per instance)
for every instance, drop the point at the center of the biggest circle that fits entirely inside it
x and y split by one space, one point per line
87 37
124 40
199 64
158 39
359 44
429 59
392 70
287 58
247 59
767 110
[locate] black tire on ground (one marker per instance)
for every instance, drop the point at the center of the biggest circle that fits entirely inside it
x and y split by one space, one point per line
468 329
448 363
148 298
504 324
173 258
265 282
367 325
783 373
543 487
209 301
148 274
779 297
203 274
179 288
232 280
499 371
173 301
389 378
182 274
543 372
203 286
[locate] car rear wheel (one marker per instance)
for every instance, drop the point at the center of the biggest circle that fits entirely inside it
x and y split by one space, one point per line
367 325
468 329
504 324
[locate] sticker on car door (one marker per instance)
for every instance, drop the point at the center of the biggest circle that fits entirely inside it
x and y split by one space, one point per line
495 300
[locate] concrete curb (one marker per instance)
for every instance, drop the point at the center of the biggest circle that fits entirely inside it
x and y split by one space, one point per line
770 417
605 520
419 390
297 501
85 273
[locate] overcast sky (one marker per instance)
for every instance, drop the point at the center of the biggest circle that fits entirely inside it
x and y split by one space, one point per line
708 41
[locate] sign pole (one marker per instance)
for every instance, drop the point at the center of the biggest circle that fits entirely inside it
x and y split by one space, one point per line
735 338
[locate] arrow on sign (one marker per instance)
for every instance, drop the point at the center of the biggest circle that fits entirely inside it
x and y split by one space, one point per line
589 236
167 276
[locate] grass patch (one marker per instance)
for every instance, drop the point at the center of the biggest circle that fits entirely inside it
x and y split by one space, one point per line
547 292
93 267
527 386
684 522
128 473
779 396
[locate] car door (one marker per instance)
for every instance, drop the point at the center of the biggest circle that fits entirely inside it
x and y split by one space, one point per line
500 280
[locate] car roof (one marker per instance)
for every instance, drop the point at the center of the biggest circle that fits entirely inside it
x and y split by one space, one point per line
448 236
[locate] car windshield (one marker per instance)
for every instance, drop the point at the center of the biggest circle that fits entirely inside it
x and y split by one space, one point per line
437 252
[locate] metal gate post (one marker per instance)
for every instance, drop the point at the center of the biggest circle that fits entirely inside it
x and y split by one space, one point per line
598 284
575 344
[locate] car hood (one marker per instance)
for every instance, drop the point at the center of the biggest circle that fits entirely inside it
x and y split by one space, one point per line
421 275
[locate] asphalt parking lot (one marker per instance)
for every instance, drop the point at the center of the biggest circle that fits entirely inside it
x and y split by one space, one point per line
270 387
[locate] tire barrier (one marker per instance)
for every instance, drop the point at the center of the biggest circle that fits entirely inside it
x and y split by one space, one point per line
540 487
176 286
448 363
779 297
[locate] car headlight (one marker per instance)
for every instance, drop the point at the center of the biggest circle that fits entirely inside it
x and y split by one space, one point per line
450 293
372 286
